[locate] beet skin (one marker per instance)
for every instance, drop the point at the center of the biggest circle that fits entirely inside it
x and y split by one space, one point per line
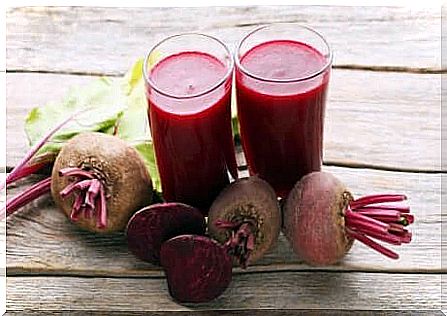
313 219
119 182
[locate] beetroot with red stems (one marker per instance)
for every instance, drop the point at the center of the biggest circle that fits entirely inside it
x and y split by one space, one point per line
246 218
151 226
198 269
322 220
99 181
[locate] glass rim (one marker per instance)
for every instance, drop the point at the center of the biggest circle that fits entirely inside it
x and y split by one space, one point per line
224 78
289 80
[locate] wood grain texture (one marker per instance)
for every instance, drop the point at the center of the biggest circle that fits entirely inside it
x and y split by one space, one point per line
233 312
41 240
374 118
106 40
278 290
2 237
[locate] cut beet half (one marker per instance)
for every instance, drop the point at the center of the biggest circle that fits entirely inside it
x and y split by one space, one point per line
198 269
151 226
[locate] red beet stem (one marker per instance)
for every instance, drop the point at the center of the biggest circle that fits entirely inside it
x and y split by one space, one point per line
409 218
74 216
92 193
15 173
380 213
24 172
400 208
102 223
372 244
384 222
396 228
69 189
242 240
30 194
379 198
387 237
78 172
365 219
406 238
387 219
90 200
365 226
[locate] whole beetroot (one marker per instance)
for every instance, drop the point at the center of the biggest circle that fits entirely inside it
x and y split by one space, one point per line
99 181
322 220
246 218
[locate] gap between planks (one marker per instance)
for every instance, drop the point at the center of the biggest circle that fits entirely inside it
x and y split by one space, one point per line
252 270
342 164
234 312
358 165
374 68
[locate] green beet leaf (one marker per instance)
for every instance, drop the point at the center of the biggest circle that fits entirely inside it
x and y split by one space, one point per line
99 106
109 105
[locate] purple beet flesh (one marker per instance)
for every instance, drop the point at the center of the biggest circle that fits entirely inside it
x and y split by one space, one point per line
153 225
198 269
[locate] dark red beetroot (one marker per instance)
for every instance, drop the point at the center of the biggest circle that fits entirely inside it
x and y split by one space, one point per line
246 218
99 182
321 220
198 269
151 226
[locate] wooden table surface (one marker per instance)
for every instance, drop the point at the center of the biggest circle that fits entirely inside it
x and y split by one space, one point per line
382 134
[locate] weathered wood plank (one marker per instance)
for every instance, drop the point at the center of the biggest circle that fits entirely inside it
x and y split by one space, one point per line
2 237
105 39
245 312
387 119
41 240
280 290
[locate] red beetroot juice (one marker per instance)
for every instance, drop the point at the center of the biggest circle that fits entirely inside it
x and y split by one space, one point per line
281 119
191 127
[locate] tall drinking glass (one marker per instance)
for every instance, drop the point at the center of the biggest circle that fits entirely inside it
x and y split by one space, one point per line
188 90
282 76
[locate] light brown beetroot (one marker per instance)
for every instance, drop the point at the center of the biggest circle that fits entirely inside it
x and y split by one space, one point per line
322 220
246 218
314 221
99 181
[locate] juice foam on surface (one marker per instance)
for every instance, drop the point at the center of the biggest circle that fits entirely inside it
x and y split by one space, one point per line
188 74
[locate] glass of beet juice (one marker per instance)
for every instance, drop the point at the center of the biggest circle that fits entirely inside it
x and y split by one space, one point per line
188 88
282 75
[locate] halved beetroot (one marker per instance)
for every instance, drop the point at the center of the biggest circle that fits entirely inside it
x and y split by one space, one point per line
151 226
198 269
